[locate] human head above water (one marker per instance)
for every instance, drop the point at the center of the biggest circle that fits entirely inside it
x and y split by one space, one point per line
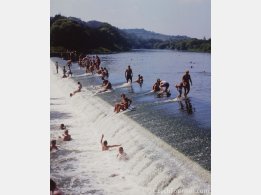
53 142
120 149
105 143
122 95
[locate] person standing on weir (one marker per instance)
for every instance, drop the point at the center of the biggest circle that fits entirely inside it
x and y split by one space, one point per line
128 74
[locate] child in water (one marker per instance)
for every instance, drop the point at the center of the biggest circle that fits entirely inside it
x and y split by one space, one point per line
53 145
122 155
140 80
62 126
105 145
179 88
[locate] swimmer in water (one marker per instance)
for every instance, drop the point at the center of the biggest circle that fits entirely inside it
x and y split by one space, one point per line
179 88
62 126
122 155
105 145
66 136
53 145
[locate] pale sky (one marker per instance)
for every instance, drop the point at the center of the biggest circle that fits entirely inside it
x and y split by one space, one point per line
170 17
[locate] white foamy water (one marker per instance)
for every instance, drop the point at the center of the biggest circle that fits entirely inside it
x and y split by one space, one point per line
80 167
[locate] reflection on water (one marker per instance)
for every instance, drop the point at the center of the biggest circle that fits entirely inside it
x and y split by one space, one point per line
188 106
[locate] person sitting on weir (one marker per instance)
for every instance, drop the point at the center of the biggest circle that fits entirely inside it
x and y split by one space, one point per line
106 85
123 105
164 89
105 145
78 90
156 86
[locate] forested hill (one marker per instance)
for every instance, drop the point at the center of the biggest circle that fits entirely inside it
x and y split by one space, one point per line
146 35
74 34
70 33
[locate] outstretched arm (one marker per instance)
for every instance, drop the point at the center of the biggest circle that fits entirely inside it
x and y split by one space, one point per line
111 146
102 138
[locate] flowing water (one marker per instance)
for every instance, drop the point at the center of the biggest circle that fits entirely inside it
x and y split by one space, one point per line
168 142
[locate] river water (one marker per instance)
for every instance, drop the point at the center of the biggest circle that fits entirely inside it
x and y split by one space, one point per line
186 125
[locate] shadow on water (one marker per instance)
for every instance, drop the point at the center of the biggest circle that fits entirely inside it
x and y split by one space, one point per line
53 104
59 115
64 153
61 98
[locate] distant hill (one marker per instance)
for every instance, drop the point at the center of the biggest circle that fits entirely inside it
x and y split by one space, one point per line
73 34
146 35
95 24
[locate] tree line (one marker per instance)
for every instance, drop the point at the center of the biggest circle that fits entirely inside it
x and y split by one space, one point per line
68 34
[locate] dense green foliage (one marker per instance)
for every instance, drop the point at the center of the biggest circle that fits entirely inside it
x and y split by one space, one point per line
185 45
72 34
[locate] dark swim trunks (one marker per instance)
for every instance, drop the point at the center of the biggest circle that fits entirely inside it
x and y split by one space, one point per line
129 77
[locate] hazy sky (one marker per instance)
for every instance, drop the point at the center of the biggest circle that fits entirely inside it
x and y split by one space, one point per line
171 17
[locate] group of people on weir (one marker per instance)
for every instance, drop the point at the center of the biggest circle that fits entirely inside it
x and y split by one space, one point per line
67 137
53 147
91 64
